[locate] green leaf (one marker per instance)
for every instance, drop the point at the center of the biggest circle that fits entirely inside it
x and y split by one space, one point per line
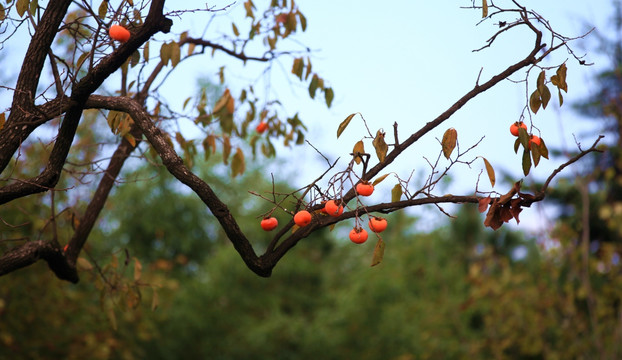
379 179
329 95
484 8
237 163
22 6
344 124
33 6
380 145
103 9
396 193
490 171
359 148
526 162
378 253
135 58
450 138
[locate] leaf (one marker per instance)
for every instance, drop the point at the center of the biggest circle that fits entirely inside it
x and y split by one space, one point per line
535 101
344 124
146 52
165 53
22 6
490 171
226 150
329 95
516 145
545 95
130 139
381 147
138 269
313 85
84 264
175 53
378 253
396 193
544 151
297 67
450 139
359 148
559 79
526 162
222 102
236 32
523 137
535 154
135 58
484 8
103 9
483 204
379 179
561 98
540 81
238 164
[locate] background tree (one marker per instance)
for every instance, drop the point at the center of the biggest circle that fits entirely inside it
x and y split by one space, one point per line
84 57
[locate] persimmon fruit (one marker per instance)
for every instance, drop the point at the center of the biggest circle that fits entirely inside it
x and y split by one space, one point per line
332 208
302 218
119 33
358 235
535 139
377 224
364 188
514 127
262 127
269 223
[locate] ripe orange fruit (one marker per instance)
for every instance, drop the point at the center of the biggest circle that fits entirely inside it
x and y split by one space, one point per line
358 235
302 218
377 224
332 208
269 223
119 33
535 139
263 126
364 188
514 127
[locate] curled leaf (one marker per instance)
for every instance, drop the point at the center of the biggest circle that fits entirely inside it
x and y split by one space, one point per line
359 148
378 253
450 139
381 147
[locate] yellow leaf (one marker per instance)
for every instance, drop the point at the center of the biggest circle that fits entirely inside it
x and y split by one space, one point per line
378 253
450 139
381 147
490 171
175 53
379 179
237 163
359 148
344 124
396 193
